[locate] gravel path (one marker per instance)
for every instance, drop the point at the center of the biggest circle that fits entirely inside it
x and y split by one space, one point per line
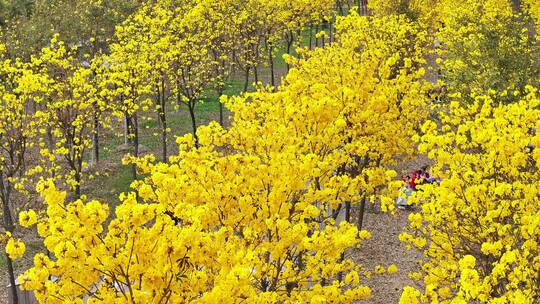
4 283
384 248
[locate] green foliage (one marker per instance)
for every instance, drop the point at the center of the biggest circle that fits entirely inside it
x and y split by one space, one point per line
13 9
488 48
29 25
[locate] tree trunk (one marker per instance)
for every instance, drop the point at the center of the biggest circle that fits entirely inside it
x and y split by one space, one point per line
191 105
163 137
52 146
221 123
348 212
271 61
364 6
246 83
163 120
256 74
5 191
316 38
133 126
127 140
348 220
340 7
330 39
516 6
78 184
290 41
220 93
310 36
12 279
95 136
361 210
135 134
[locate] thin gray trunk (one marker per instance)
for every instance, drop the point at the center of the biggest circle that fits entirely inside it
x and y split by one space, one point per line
134 132
271 61
256 74
246 83
5 190
220 93
316 38
310 36
162 113
361 211
126 131
191 106
95 136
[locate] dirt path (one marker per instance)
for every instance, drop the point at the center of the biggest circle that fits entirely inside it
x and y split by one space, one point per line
3 290
385 248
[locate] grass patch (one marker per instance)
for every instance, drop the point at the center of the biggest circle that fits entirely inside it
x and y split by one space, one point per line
122 181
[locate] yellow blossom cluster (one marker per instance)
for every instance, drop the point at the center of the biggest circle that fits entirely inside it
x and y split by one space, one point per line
15 248
28 218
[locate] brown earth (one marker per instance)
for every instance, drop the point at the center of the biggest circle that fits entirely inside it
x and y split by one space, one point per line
384 248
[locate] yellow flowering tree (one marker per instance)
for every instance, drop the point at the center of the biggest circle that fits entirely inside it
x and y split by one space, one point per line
66 112
479 45
264 27
147 29
125 84
393 53
101 106
484 46
16 132
413 9
193 66
180 49
281 24
479 229
216 20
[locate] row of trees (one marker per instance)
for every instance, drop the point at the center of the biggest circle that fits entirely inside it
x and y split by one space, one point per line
479 229
28 25
59 96
246 213
250 213
184 49
164 53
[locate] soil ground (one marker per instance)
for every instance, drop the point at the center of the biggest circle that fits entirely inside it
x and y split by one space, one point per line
385 248
3 291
